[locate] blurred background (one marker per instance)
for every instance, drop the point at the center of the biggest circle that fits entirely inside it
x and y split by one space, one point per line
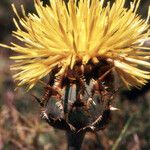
21 127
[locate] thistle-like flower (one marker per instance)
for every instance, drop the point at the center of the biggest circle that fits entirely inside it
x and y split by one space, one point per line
61 34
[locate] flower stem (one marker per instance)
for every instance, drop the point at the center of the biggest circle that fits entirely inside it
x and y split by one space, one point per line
75 140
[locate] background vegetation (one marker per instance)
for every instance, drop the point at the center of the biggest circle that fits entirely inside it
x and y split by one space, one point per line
21 127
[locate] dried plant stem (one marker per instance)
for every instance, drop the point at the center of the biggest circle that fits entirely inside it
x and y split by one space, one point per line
122 134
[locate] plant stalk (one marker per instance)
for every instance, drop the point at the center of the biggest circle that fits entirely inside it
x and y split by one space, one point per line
75 140
122 134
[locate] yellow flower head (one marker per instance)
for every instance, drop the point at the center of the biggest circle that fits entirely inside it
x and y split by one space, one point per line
60 34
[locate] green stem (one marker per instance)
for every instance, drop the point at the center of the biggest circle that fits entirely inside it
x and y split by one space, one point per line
75 140
122 134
